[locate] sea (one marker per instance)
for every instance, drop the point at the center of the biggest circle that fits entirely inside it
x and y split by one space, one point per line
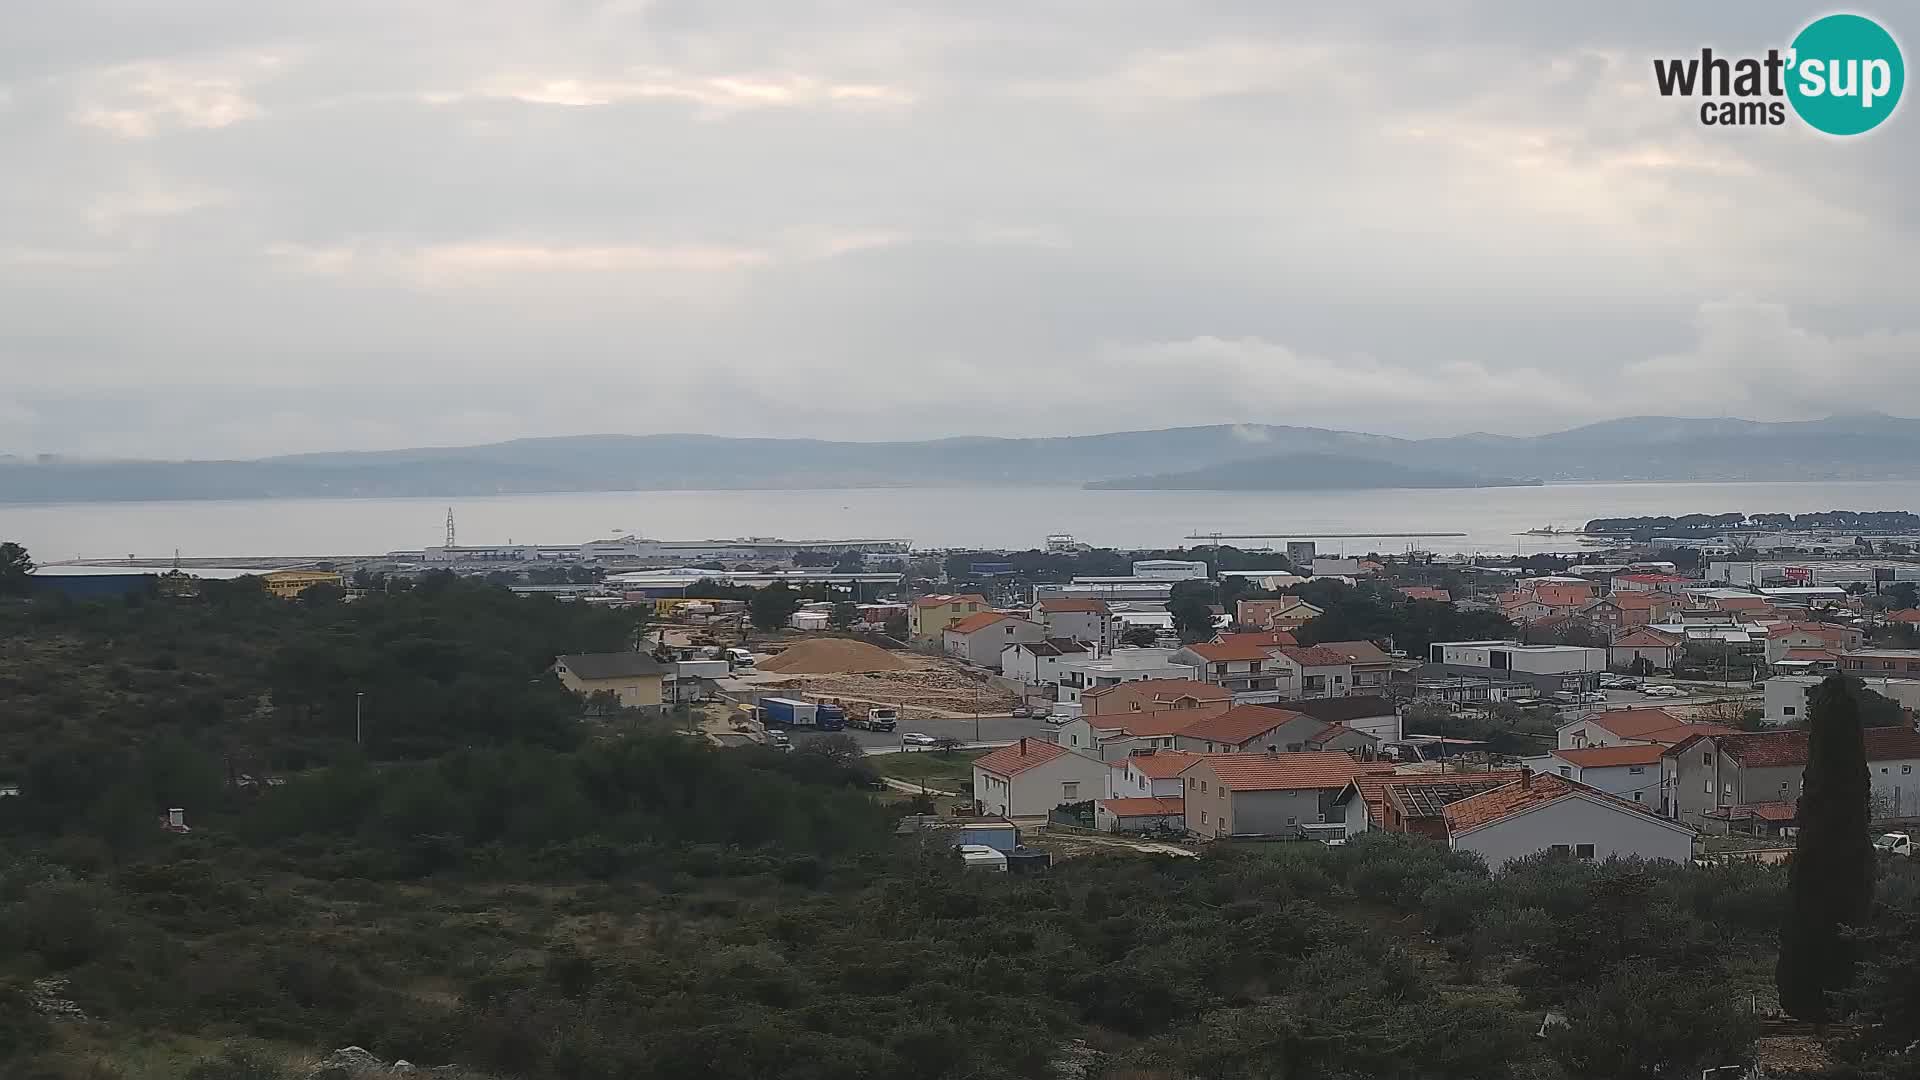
1491 520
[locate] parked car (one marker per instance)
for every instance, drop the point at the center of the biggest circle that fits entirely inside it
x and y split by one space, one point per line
1041 712
1663 690
1620 684
1894 843
1021 711
1057 719
918 738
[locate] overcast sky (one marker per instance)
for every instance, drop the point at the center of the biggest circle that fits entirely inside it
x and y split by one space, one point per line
235 227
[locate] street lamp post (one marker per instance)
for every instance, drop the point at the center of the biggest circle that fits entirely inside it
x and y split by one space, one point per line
359 697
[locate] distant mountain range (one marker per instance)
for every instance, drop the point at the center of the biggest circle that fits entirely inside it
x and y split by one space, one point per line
1303 472
1238 457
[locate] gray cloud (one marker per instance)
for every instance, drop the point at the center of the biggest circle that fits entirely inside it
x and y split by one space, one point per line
236 228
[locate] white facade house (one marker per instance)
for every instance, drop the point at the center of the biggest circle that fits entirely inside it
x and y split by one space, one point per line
1090 621
1513 656
1554 814
1030 778
1037 663
981 638
1122 665
1786 695
1630 772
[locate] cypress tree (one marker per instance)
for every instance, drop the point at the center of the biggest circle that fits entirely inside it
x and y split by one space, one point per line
1830 881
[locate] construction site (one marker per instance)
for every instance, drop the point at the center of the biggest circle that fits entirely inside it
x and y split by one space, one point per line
857 673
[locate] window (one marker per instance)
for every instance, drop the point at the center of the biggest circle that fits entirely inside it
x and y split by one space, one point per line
1906 770
1788 710
1639 796
1566 771
1291 821
1584 851
1070 792
1636 770
1707 759
1708 787
1203 817
1562 849
1203 787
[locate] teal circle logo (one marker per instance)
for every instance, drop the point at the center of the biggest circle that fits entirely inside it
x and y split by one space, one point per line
1845 74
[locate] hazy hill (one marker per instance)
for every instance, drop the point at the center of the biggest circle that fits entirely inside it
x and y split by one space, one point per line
1864 447
1302 472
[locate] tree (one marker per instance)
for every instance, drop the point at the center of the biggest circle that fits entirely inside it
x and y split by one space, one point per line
16 568
844 613
773 606
1830 880
1191 605
897 626
1649 1023
1143 636
1904 593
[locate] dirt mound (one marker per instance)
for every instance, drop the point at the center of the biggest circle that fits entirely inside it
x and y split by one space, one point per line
832 656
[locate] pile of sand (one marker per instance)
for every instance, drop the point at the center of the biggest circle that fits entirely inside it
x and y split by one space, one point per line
832 656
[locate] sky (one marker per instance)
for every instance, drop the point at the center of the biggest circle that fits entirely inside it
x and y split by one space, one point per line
233 228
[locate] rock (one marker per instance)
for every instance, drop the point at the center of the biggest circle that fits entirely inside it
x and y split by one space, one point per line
49 996
346 1062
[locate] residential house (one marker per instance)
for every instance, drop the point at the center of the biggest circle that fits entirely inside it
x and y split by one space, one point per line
1030 778
1410 802
930 616
1904 616
1630 771
1285 613
1710 772
1656 650
1522 607
1114 736
1652 582
1881 663
1265 794
1037 663
1783 638
1425 592
1819 662
1139 815
1241 669
1325 671
1248 729
1629 727
1148 773
1553 813
1787 697
1371 670
1624 611
980 638
1376 716
634 677
1265 639
1155 695
1079 620
1081 677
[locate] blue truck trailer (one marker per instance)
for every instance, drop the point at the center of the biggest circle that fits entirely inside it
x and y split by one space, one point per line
792 712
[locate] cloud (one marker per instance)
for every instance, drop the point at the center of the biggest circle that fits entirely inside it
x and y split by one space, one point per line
140 101
717 93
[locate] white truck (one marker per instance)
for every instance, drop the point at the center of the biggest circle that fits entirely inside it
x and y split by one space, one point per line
1894 843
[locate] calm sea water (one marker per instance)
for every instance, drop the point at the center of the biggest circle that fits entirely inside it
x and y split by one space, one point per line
930 517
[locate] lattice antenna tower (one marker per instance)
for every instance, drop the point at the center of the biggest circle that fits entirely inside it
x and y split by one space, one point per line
450 542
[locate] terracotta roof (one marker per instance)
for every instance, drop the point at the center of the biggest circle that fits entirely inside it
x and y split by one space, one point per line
1019 757
1215 652
1161 764
1357 652
1563 595
1425 592
1237 725
1284 772
1681 732
1823 630
1435 789
1904 615
1479 811
943 599
1146 725
1145 807
1316 656
1812 654
1339 710
1165 689
1331 732
1630 723
1601 757
1645 639
976 622
1062 604
1741 603
1264 638
1635 600
1765 811
1784 749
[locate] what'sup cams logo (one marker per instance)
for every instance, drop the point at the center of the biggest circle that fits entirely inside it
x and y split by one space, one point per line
1842 75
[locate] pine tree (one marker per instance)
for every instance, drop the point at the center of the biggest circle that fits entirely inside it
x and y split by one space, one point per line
1830 882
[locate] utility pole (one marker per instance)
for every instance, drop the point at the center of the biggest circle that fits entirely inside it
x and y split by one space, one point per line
976 713
359 698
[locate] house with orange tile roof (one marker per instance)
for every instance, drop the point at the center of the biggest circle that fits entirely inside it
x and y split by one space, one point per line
1266 794
1328 670
1832 637
1410 802
1645 727
1246 729
1154 695
1149 772
1113 736
1548 813
1652 582
1425 592
1286 613
1714 771
1905 616
1031 777
1241 667
929 616
980 638
1659 651
1630 771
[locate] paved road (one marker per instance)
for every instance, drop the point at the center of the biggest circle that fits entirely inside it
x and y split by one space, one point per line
993 729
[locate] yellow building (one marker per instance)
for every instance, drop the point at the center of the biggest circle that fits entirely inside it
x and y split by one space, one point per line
287 584
929 617
634 676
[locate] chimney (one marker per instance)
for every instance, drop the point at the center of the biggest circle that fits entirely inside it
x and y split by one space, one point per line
1023 746
176 818
1526 777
